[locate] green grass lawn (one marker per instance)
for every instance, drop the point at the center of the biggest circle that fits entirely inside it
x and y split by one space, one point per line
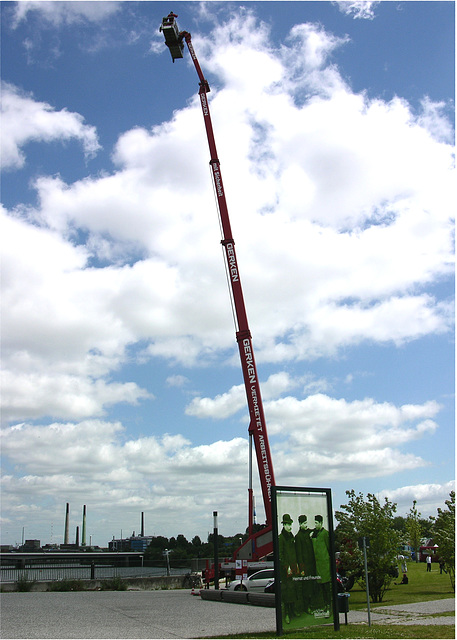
353 631
422 586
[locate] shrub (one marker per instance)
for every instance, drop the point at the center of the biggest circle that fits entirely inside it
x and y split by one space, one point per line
374 520
114 584
67 585
24 584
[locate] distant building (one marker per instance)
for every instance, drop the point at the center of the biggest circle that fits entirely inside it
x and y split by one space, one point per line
140 543
70 547
30 546
429 549
134 543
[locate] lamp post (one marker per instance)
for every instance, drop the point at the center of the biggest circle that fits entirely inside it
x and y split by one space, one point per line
166 553
216 555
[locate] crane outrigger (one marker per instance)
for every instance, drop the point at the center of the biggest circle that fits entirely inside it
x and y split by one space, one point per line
260 543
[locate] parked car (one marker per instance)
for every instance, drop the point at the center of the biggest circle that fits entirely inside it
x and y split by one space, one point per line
270 588
257 582
341 584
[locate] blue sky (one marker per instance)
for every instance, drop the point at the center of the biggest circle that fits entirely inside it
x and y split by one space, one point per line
122 388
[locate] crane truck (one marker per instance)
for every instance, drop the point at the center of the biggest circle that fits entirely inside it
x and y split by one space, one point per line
259 544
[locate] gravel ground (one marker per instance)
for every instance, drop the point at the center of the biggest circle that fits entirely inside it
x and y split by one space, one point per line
165 614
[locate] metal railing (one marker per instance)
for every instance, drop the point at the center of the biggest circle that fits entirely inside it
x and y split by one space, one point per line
34 572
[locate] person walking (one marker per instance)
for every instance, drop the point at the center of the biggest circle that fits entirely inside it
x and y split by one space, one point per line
429 563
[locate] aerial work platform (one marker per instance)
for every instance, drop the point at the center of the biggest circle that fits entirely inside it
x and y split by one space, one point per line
173 40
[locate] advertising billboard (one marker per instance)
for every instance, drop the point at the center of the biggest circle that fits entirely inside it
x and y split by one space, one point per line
305 572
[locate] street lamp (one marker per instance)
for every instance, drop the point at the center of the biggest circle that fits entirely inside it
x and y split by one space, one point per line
166 553
216 553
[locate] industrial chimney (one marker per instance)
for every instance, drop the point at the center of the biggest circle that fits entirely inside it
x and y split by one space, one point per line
142 524
83 536
77 536
67 524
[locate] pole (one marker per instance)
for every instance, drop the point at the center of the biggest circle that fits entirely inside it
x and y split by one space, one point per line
67 524
366 578
257 424
250 491
83 536
216 554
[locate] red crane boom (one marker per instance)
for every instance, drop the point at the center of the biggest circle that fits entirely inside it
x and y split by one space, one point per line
259 544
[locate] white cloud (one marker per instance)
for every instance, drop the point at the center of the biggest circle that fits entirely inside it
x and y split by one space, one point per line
363 9
61 339
359 268
229 403
58 13
25 395
341 210
433 120
222 406
348 467
319 422
92 462
25 120
334 439
327 436
63 448
428 496
177 381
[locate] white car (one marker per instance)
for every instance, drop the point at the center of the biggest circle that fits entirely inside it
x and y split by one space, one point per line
257 582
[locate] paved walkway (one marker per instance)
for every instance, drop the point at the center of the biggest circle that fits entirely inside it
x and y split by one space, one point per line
416 613
166 614
127 614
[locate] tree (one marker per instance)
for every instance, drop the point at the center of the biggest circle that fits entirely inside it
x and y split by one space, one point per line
427 526
156 548
369 518
414 529
399 524
196 542
444 536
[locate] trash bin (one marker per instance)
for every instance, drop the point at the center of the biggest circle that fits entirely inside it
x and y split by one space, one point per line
343 605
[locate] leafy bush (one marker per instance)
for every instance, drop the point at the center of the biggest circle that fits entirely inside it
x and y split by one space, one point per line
114 584
24 584
373 520
444 536
67 585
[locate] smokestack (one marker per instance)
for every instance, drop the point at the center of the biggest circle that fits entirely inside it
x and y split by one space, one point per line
77 537
142 524
67 524
83 536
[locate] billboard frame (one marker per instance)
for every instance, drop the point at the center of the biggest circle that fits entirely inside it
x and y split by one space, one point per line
300 494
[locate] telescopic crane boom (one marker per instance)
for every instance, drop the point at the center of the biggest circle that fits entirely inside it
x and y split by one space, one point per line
258 544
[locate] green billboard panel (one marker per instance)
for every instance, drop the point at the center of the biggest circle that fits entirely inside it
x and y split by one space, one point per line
305 572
